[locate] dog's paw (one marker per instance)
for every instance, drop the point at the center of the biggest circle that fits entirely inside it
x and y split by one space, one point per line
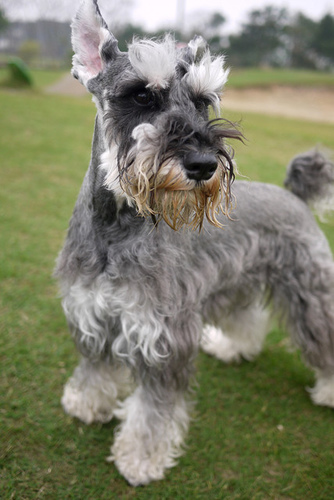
137 466
87 404
149 440
322 393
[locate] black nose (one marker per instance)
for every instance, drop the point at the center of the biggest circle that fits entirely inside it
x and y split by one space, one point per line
200 166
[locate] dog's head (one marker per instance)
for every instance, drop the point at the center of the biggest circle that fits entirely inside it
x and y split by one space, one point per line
161 150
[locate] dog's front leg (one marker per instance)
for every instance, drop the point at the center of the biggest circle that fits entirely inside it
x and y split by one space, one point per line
151 434
155 418
91 394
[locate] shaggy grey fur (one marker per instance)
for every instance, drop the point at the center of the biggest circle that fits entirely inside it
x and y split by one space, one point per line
310 176
137 295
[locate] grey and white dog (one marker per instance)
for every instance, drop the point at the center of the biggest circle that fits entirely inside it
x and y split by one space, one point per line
142 288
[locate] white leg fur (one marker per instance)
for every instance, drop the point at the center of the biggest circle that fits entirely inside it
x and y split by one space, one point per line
215 343
323 392
92 392
148 441
242 337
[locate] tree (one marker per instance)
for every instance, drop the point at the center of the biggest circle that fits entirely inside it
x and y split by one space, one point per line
29 51
323 42
260 37
126 34
213 31
300 35
3 20
210 26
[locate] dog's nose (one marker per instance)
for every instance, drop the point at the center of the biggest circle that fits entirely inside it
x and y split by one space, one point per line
200 166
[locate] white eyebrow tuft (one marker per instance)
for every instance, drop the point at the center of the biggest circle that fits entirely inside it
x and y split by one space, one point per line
154 61
207 78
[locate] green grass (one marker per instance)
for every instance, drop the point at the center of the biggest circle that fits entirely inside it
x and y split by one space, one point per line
235 449
44 78
40 78
266 77
238 79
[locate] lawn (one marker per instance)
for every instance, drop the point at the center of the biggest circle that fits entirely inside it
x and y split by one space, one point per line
40 78
266 77
255 434
239 78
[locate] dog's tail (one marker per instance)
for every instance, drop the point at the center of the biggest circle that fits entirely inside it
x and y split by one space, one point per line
310 176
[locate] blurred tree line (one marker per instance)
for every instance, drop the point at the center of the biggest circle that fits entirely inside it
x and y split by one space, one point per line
273 37
270 36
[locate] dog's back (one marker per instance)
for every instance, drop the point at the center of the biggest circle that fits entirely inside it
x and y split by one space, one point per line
310 185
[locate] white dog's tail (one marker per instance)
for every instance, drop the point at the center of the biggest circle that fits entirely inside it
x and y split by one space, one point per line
310 176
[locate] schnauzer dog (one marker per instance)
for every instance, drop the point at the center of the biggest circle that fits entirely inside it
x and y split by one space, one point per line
142 288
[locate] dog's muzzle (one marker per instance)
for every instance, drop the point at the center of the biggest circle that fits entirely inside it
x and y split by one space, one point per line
200 166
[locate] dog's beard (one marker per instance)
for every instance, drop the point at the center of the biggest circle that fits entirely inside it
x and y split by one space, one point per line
160 188
164 192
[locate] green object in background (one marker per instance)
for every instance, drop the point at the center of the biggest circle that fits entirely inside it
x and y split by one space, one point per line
19 72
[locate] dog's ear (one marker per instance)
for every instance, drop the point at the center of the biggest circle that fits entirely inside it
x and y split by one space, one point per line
92 42
193 52
196 47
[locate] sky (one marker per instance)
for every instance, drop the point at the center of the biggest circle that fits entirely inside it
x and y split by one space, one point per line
153 14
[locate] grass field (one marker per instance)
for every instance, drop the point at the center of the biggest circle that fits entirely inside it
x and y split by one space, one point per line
238 79
265 77
255 434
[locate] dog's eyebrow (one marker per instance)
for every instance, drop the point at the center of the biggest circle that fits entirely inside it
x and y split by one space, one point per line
207 78
154 62
132 84
125 87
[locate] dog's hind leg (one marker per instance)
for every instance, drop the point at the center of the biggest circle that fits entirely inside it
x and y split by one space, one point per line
241 334
91 394
307 298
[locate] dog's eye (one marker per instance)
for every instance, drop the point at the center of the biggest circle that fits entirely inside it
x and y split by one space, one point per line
202 103
144 98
